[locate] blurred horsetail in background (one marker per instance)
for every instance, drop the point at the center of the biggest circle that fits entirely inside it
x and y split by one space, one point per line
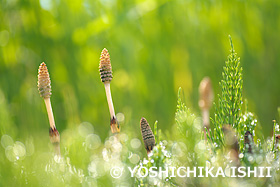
106 76
44 87
205 102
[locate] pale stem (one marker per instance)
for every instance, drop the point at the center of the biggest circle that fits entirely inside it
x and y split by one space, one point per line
206 121
206 118
109 99
50 113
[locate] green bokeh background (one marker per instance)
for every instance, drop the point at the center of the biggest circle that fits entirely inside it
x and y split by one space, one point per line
155 47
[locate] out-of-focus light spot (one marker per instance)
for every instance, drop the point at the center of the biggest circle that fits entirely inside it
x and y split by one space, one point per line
200 147
120 117
85 129
107 144
46 4
134 159
270 157
259 159
117 147
135 143
141 9
105 155
93 141
4 38
227 170
10 154
164 142
198 123
145 161
19 149
92 169
108 3
176 150
29 147
241 155
251 159
15 152
112 139
6 141
58 159
123 137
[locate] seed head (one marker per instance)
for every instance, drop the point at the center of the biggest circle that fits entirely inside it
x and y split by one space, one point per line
147 134
105 67
206 93
44 81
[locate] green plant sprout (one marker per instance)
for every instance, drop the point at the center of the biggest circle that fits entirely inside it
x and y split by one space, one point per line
188 125
228 110
156 134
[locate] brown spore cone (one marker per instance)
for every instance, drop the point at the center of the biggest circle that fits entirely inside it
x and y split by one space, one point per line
105 67
147 134
44 81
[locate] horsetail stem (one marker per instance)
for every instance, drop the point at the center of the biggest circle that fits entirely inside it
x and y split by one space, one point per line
205 101
147 135
44 87
106 76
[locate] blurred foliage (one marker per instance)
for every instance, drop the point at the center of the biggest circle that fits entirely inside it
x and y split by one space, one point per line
156 46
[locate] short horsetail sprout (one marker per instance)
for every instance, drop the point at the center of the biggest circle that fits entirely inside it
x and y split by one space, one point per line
44 87
205 100
147 134
248 141
106 76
